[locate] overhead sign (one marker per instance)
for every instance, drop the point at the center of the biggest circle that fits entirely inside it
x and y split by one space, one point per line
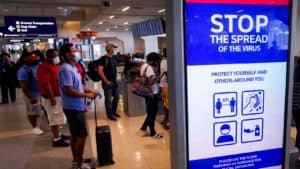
236 65
20 40
4 32
30 26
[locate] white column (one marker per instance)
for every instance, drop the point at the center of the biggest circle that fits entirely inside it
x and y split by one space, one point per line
151 44
128 41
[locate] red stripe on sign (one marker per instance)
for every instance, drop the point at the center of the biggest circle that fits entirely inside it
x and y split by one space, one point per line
250 2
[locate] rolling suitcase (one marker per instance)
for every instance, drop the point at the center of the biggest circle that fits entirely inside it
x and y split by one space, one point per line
104 143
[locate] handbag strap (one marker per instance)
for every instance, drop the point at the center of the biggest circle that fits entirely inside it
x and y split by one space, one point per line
145 71
95 105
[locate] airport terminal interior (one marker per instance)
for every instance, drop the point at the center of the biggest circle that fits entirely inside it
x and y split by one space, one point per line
131 29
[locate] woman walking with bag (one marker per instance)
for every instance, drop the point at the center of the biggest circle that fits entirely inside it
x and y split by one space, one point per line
150 71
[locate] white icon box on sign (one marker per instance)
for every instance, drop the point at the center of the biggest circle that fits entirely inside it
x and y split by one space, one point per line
225 133
253 102
18 30
252 130
225 104
17 22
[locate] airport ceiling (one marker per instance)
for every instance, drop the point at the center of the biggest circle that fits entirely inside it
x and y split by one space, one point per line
92 14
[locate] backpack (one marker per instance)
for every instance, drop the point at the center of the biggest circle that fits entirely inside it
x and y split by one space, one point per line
93 70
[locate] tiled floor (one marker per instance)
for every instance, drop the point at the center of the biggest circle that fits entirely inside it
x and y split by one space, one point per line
131 149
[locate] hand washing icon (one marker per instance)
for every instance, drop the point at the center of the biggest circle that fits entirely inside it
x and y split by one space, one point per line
253 102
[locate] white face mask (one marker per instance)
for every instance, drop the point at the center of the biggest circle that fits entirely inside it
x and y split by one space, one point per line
56 60
77 56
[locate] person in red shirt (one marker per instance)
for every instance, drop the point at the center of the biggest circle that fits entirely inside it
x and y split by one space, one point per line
81 71
47 76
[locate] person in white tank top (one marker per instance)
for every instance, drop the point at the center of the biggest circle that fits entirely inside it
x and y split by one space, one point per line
149 70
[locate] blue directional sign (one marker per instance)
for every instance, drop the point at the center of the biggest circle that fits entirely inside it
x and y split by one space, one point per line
30 26
4 32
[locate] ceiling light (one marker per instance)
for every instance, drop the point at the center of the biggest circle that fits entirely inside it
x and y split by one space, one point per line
100 22
162 10
88 29
126 29
116 26
111 17
126 9
126 23
5 10
107 30
60 8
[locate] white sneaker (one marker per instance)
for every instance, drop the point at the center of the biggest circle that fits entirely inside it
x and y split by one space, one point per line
144 132
86 166
37 131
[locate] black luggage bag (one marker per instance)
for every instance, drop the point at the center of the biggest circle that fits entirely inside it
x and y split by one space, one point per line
104 143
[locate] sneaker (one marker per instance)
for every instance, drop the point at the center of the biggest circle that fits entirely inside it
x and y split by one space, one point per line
37 131
163 122
167 126
87 160
74 165
87 166
60 143
112 118
65 137
157 136
144 132
117 115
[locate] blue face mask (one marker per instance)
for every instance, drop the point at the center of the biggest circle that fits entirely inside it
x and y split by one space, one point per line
77 57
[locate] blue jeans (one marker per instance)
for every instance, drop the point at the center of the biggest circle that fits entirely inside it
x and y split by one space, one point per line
111 94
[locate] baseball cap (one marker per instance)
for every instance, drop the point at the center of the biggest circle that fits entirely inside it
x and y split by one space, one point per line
110 46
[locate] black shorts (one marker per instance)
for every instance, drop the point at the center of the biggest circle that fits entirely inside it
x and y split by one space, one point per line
77 123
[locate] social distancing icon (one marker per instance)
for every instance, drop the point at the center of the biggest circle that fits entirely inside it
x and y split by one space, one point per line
225 104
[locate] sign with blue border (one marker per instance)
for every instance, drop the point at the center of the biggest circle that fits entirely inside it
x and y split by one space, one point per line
16 26
234 52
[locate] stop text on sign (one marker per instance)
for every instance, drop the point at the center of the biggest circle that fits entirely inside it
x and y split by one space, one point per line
244 23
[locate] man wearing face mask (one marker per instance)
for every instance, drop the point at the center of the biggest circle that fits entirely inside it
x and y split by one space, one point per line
47 75
29 85
108 73
73 94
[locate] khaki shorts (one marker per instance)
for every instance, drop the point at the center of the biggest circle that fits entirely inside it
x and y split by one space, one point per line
55 113
33 109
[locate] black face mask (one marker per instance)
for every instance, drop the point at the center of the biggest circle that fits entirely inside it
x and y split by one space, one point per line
32 63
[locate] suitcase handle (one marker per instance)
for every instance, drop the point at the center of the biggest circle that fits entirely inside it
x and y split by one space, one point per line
95 105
